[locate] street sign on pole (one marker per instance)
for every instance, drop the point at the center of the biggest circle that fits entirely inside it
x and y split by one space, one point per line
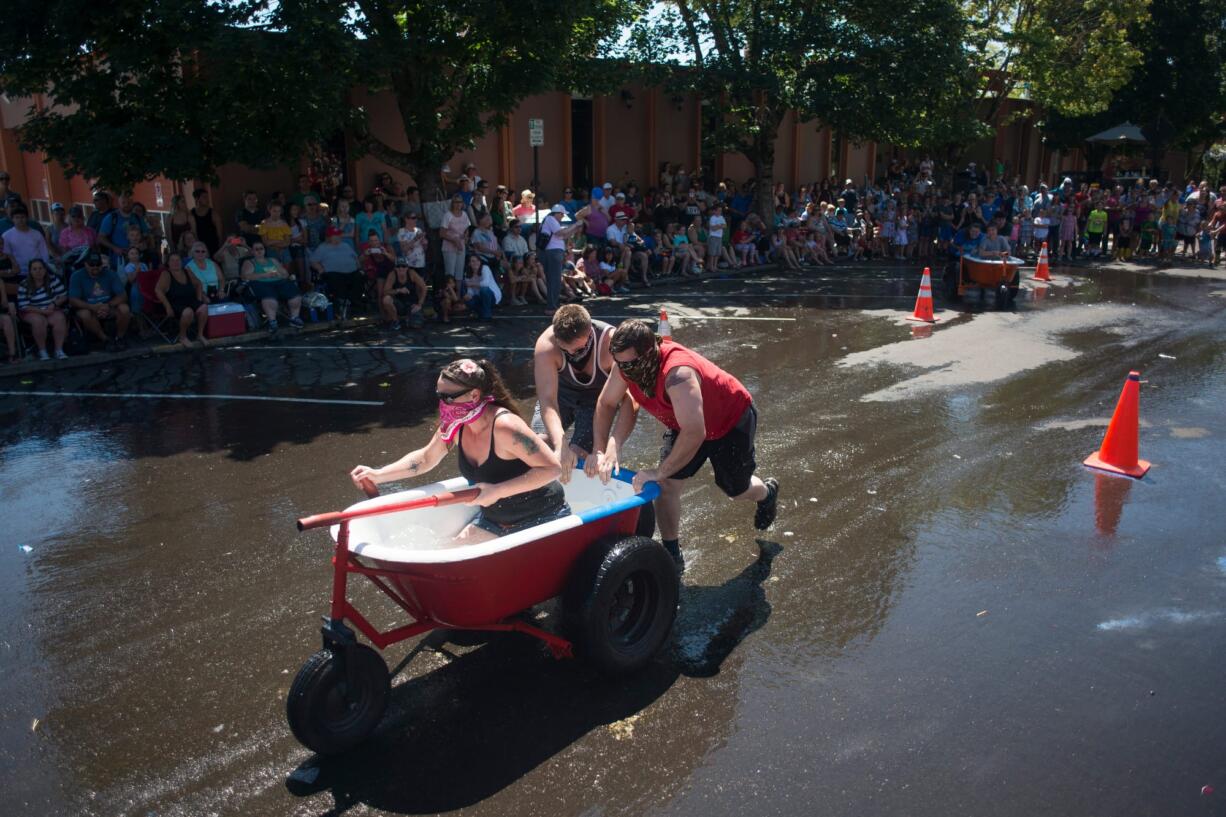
536 138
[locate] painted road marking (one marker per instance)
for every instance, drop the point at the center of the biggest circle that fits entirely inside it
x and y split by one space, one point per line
671 315
351 347
769 295
155 396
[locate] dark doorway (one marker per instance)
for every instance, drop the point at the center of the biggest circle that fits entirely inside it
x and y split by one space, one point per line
582 149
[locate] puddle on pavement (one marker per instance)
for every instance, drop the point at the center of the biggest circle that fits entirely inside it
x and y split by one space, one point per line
993 346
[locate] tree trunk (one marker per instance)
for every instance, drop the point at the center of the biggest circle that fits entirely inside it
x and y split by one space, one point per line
764 196
429 179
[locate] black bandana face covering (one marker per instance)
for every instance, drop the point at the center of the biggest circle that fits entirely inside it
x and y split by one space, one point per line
579 359
644 370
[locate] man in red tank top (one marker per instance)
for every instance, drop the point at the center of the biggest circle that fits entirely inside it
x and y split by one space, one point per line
707 414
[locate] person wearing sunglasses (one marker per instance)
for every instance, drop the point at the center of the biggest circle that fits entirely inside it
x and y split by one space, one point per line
707 415
571 362
516 472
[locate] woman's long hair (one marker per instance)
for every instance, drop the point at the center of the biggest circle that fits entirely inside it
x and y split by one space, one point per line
485 378
28 283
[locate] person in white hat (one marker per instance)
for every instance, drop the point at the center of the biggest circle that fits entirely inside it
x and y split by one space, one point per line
555 250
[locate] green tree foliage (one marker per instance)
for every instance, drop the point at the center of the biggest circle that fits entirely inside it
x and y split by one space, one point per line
1177 95
1066 56
871 69
175 87
180 87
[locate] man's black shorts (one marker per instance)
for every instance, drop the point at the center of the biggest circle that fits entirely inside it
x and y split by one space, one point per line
574 408
731 456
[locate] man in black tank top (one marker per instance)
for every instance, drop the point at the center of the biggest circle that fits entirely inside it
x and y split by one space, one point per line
572 361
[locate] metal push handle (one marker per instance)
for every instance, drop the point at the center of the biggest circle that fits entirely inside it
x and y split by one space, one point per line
324 520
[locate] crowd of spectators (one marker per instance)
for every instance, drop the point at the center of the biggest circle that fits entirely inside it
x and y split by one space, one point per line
486 247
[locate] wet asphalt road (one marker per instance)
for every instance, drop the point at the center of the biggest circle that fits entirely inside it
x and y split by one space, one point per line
951 616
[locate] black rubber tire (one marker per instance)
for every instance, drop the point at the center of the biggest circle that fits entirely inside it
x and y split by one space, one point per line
1002 297
647 521
1014 286
949 283
620 603
324 714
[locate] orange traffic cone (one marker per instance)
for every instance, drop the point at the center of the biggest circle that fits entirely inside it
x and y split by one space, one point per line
1119 452
664 330
1041 273
923 303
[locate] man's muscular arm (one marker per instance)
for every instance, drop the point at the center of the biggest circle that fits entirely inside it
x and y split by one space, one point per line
545 369
684 389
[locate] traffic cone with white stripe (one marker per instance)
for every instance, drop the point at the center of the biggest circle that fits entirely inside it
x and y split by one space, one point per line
1041 273
923 303
664 330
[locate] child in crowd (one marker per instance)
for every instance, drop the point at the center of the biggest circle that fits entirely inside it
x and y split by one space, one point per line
612 273
1151 232
1025 232
449 300
815 248
1123 238
901 225
1042 226
782 253
1205 243
742 242
577 282
1096 227
132 269
1068 234
524 284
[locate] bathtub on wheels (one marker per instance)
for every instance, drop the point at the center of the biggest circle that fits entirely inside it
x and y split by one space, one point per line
967 272
618 589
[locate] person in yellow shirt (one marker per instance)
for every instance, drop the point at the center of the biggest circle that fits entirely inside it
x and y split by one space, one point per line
275 232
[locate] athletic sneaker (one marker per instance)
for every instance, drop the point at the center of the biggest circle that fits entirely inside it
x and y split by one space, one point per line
42 355
395 327
272 328
60 355
764 516
296 322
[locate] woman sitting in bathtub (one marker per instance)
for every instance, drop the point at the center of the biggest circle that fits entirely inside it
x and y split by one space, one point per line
499 453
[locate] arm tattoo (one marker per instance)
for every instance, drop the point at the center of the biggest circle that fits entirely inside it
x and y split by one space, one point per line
675 378
526 442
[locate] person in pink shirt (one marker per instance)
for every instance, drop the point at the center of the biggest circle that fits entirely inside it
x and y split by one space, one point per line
76 234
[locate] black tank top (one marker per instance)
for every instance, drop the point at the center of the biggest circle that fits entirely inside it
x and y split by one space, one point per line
570 380
512 509
180 292
206 230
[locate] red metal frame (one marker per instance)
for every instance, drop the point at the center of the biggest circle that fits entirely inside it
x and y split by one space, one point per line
344 563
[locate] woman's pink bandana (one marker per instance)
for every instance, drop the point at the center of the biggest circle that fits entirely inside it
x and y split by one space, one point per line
453 416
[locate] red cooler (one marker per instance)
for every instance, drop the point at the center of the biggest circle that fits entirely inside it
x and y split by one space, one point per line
226 320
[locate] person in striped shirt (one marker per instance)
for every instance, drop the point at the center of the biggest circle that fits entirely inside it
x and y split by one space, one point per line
40 302
8 324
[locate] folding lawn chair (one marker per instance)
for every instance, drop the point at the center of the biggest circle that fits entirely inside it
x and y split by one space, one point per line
151 313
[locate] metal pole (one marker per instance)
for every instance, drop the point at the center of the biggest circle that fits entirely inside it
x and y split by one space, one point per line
536 156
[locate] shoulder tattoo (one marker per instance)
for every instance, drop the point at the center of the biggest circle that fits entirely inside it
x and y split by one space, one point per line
526 441
677 377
